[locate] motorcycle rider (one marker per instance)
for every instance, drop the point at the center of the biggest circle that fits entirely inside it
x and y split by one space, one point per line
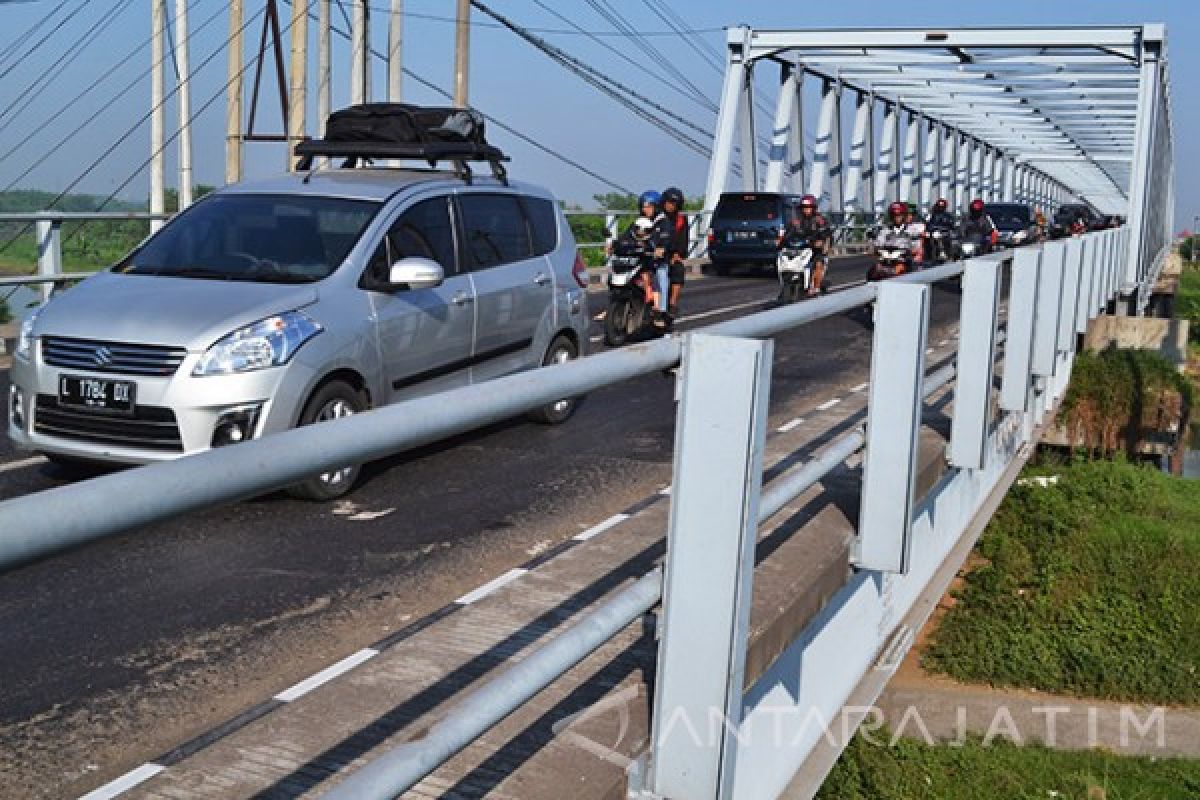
978 226
810 226
652 228
672 206
941 219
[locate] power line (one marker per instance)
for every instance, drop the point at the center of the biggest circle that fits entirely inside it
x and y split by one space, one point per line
607 85
56 69
642 66
38 43
433 87
195 31
16 43
688 40
559 31
128 133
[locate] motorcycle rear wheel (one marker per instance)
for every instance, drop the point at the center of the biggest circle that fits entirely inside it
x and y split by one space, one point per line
616 323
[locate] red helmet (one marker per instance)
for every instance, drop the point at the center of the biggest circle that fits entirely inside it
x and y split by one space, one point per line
976 206
898 209
941 204
808 202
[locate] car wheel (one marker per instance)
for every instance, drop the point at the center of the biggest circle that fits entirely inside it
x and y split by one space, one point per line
560 351
334 400
721 268
75 468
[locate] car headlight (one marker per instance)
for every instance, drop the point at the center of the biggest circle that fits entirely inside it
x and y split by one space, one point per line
269 343
25 337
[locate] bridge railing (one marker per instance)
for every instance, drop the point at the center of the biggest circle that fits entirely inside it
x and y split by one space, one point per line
900 543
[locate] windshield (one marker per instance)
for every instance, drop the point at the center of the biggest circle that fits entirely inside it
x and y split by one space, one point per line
1068 214
1010 218
262 238
748 207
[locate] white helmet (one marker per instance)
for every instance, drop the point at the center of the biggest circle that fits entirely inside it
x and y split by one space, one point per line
642 227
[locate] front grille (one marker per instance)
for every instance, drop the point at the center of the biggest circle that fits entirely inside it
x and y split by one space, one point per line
150 428
125 359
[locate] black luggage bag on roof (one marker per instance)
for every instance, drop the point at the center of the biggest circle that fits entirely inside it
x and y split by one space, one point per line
403 123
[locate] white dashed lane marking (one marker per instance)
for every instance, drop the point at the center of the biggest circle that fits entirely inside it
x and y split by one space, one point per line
491 586
326 675
13 466
124 783
828 404
596 530
791 426
860 387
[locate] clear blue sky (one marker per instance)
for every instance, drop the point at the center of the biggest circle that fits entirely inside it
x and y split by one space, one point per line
509 79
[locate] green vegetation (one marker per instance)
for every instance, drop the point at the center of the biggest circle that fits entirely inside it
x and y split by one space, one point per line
1089 587
1118 398
1187 299
912 770
5 314
86 245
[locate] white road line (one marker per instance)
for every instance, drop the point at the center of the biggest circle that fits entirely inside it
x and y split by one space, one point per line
491 586
790 426
928 351
828 404
596 530
124 783
326 675
860 388
943 342
716 311
665 491
13 466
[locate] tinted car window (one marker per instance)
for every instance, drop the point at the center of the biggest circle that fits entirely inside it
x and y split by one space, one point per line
543 223
748 207
262 238
1010 217
424 230
494 229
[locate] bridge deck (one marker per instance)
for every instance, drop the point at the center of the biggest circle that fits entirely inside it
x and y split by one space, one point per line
302 747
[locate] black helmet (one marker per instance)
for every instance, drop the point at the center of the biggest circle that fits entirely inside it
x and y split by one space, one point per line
673 195
941 204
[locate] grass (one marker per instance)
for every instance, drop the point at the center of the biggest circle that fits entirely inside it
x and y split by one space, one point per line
913 770
1089 587
1187 299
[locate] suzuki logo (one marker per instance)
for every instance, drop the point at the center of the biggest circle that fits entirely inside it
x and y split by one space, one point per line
103 357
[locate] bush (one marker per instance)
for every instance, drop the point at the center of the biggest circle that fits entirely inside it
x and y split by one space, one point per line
1088 587
1118 398
913 770
5 314
1187 300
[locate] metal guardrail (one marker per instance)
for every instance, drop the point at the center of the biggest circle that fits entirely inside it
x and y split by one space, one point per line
1055 290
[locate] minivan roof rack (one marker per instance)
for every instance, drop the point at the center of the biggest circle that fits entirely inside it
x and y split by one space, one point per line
459 154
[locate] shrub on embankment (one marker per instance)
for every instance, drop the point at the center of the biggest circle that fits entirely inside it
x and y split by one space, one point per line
913 770
1089 586
1119 399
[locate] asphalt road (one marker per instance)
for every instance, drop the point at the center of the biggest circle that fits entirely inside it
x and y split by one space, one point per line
118 651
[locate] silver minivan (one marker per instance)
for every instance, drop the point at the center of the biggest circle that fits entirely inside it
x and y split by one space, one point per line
304 298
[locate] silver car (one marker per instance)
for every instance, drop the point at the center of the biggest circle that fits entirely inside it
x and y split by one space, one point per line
273 304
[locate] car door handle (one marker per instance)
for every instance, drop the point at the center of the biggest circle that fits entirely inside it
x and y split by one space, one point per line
541 279
462 299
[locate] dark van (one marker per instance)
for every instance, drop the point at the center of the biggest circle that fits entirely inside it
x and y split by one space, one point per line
746 229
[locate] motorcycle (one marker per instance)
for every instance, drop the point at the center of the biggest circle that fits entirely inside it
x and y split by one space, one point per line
794 266
944 246
630 272
977 245
890 261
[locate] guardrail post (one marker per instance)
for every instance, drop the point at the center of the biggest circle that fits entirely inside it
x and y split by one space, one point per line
1045 338
1022 321
721 431
49 241
976 357
893 427
1090 245
1072 266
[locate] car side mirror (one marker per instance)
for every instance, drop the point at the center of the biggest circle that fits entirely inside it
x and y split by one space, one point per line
416 273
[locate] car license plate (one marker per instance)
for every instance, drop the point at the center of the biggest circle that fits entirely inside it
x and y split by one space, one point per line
744 235
97 394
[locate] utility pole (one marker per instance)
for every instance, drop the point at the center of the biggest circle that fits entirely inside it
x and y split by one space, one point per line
462 46
158 21
360 81
298 103
184 72
395 61
324 59
235 90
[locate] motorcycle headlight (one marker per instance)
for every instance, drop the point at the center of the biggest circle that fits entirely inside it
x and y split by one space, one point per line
269 343
25 337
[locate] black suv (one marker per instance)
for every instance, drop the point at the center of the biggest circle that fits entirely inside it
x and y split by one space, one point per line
1014 223
747 227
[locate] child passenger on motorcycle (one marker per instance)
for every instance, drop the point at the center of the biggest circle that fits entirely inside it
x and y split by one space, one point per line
654 231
